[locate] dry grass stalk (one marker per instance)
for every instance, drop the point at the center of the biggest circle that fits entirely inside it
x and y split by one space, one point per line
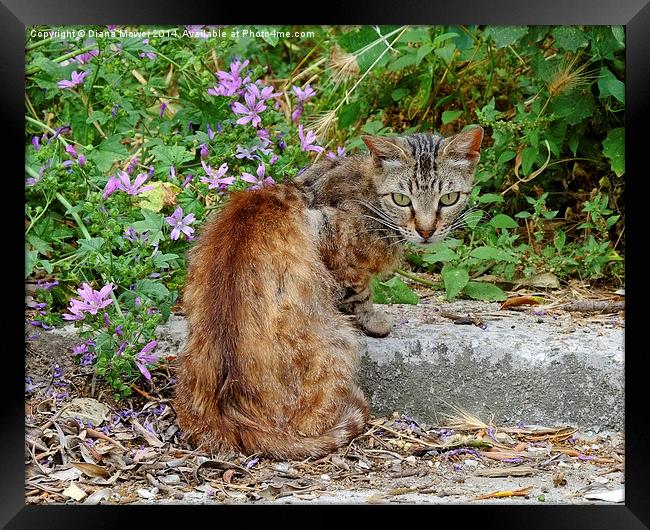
344 65
569 76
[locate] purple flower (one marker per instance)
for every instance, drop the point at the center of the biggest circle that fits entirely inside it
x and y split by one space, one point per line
147 55
107 321
118 330
132 189
180 223
204 151
250 111
71 150
172 173
81 160
121 349
87 358
76 79
217 179
187 180
274 159
114 109
243 152
340 153
80 349
35 143
295 115
144 357
48 286
86 57
307 141
210 133
303 94
91 302
262 95
112 185
163 106
132 236
261 179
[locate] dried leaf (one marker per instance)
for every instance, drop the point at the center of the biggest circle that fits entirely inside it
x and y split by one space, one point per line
522 492
74 492
607 495
521 300
86 409
92 470
151 438
98 496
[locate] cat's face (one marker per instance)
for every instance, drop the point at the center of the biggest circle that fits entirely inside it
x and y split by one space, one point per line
423 181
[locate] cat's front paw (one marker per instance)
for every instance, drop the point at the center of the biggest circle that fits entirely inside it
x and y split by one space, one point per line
376 324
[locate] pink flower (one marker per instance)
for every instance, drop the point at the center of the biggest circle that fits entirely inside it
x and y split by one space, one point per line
217 179
133 189
307 141
76 79
91 302
261 179
180 223
303 95
250 111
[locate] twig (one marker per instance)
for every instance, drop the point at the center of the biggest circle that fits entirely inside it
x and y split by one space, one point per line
164 487
585 306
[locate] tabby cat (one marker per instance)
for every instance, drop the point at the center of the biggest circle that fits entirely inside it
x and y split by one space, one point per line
278 288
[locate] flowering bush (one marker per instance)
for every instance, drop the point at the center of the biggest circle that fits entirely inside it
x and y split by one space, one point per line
132 141
141 150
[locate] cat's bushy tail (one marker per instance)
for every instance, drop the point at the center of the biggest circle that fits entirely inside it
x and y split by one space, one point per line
270 364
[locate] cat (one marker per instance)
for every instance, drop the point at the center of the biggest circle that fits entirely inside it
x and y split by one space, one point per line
278 291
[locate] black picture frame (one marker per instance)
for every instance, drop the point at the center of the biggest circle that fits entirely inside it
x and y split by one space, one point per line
16 15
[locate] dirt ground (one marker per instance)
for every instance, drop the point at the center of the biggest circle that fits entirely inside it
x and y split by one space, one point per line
83 447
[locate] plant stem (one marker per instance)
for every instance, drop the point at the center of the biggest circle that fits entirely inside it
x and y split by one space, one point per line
415 278
117 304
74 214
46 127
38 44
85 49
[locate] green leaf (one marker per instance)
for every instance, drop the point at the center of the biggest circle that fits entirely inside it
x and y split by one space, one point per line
472 219
162 261
487 292
491 253
489 198
39 245
442 255
393 291
87 246
170 155
97 116
349 114
559 240
455 278
573 107
107 153
154 291
450 115
152 223
614 149
610 86
408 58
569 38
528 157
30 260
422 52
506 156
267 35
447 52
399 93
503 221
506 35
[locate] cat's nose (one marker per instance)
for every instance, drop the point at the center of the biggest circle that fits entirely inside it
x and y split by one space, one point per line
426 234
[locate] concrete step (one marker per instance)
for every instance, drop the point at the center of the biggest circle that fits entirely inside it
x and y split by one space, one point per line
519 367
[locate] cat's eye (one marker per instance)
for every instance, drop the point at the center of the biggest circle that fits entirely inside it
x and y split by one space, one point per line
449 198
401 199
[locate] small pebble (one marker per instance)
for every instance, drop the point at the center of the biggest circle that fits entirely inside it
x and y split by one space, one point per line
325 478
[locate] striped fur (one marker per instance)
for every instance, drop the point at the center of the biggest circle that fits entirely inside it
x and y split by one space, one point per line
272 354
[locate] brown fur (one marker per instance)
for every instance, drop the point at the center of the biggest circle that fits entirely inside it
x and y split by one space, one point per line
271 358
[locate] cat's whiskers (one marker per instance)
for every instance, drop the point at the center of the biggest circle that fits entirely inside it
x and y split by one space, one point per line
381 221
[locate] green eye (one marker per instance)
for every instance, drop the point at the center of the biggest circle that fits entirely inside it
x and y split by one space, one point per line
400 199
449 198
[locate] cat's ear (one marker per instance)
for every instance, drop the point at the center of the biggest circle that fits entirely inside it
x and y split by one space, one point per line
464 146
386 147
